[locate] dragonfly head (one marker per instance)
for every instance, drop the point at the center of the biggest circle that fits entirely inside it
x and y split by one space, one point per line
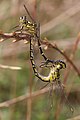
60 64
23 20
28 26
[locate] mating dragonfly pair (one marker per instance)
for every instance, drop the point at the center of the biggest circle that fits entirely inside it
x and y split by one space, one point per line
33 29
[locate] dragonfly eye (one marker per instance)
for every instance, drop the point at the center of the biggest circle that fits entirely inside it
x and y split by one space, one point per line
62 65
24 18
20 18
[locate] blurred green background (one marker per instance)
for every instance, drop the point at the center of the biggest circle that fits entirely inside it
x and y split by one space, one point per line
14 83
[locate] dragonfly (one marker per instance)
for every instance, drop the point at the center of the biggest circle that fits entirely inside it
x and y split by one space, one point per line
53 76
33 28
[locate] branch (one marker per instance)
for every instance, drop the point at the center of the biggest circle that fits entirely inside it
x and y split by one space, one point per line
16 35
23 97
24 36
31 95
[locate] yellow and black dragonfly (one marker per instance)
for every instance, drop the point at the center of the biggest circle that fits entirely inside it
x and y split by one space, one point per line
33 29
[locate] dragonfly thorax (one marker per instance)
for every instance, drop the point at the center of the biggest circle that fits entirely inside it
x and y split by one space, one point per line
54 73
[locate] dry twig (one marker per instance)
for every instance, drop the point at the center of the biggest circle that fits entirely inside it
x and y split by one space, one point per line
10 67
17 36
23 97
